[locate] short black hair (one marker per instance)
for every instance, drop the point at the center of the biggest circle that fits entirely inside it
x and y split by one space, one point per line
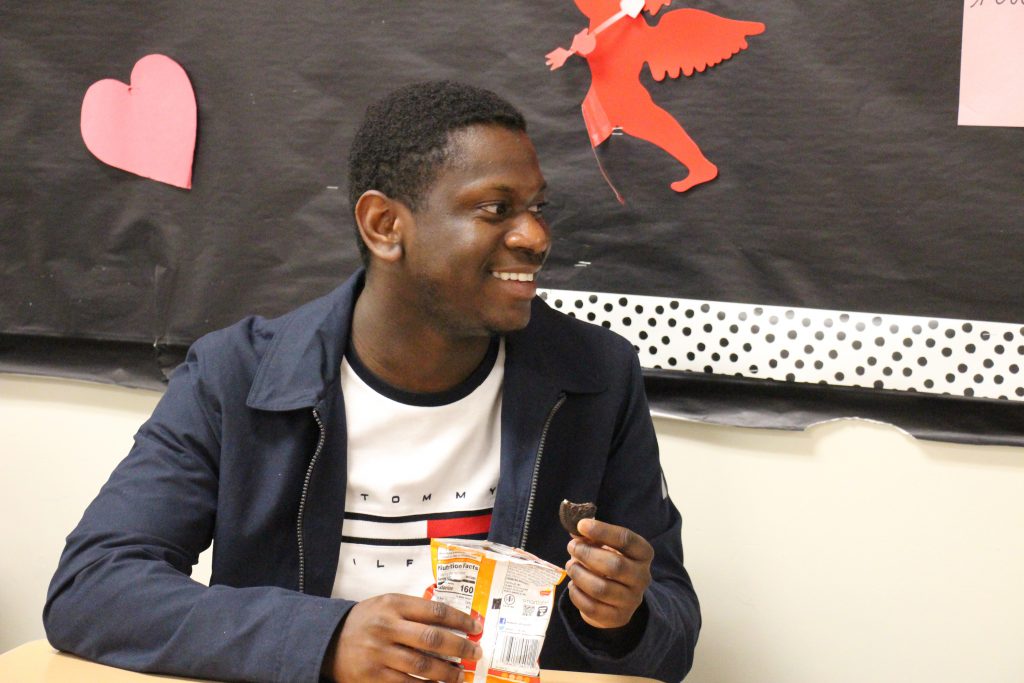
404 139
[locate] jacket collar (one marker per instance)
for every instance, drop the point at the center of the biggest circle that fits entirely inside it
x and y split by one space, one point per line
551 350
305 354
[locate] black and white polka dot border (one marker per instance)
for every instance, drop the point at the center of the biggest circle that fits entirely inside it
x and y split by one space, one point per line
874 350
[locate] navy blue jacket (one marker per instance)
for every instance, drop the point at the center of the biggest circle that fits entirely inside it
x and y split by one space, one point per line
247 449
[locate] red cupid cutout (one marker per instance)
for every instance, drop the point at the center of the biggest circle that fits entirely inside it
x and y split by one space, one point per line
147 128
617 44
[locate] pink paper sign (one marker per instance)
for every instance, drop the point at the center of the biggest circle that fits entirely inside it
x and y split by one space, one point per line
991 78
148 127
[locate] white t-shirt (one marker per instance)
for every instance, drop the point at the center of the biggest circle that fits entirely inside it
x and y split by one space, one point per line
420 466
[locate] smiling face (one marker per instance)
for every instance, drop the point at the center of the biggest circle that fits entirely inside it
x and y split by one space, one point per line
472 248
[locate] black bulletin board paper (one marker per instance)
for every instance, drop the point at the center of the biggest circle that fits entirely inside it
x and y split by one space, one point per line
844 184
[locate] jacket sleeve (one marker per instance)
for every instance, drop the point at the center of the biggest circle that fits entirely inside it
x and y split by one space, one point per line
633 494
122 593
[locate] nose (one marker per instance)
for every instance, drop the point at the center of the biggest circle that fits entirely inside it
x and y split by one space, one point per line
530 233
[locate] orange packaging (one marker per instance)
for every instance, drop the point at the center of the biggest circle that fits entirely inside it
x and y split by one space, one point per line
508 590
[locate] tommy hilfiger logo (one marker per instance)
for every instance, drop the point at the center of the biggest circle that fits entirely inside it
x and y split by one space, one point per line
427 497
410 530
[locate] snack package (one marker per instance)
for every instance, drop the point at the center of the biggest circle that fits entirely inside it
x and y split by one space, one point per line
509 591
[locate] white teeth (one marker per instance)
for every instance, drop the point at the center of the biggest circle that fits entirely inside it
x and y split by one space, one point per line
520 277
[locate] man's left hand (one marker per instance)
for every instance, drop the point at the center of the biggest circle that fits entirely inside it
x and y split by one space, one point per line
610 568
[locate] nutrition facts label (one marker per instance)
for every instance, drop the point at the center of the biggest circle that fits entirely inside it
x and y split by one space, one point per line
510 591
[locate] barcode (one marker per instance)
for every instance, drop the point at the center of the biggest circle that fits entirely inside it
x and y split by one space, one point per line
518 652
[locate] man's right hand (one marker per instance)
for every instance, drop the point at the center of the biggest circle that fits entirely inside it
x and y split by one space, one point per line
389 638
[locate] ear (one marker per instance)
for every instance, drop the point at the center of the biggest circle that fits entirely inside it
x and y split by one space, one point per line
381 221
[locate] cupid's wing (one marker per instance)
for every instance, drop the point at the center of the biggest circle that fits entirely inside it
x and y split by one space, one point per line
691 40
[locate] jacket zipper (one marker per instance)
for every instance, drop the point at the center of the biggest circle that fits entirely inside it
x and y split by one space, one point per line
302 500
536 468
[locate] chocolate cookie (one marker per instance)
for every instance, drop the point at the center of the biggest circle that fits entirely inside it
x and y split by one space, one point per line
570 514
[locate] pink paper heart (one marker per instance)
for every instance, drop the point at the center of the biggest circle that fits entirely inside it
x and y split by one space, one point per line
147 128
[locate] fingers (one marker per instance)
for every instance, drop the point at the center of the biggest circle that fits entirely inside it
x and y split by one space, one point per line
556 58
601 588
602 562
384 638
409 669
435 640
606 600
422 665
424 625
429 612
627 542
609 568
597 613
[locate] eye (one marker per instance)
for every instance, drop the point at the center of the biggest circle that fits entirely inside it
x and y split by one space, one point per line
537 209
496 208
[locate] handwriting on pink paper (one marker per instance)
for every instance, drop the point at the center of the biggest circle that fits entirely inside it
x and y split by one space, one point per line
147 127
991 84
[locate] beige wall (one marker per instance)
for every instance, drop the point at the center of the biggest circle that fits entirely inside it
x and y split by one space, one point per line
850 552
60 441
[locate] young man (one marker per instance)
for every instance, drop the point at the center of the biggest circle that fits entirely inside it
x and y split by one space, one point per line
431 394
